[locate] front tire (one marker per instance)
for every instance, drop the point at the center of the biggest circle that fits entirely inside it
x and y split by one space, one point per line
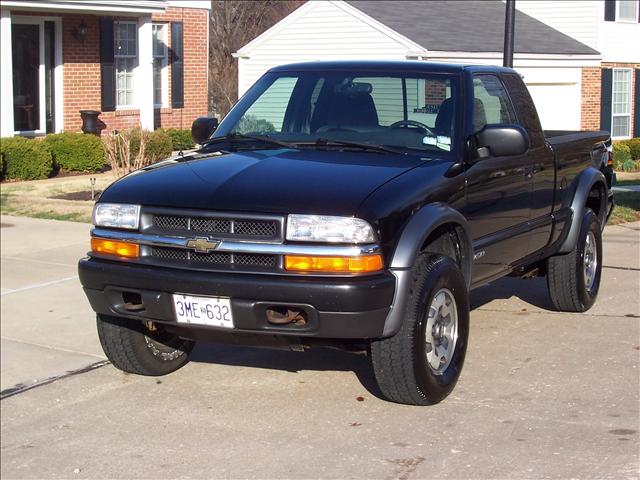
421 364
133 348
574 279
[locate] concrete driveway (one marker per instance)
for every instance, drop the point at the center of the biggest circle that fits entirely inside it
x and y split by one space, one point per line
543 394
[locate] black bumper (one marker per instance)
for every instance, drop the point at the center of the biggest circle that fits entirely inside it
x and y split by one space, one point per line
337 308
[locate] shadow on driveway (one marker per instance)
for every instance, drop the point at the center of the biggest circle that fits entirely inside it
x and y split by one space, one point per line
533 291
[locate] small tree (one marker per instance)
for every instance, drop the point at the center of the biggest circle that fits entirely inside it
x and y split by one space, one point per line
117 145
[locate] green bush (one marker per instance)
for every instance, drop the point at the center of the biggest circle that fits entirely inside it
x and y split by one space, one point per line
629 166
621 154
25 159
158 148
634 147
180 138
77 152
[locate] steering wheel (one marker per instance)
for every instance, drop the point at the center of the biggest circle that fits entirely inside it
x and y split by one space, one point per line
412 123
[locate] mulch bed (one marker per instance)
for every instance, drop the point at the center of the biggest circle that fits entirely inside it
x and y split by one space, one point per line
84 195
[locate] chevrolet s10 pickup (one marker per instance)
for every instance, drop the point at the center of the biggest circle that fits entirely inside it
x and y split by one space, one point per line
353 205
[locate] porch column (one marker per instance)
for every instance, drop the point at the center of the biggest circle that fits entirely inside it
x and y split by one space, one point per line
6 75
144 74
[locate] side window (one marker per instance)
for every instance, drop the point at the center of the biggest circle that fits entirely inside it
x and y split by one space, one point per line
266 115
491 102
527 113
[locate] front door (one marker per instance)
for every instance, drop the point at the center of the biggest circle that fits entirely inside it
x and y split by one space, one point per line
499 189
33 48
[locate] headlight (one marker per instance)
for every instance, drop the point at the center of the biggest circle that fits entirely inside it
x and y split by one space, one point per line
116 215
322 228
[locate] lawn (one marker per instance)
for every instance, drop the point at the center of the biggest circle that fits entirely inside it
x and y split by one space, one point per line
627 208
34 199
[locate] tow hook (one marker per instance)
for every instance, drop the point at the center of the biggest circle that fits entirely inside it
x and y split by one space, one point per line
283 315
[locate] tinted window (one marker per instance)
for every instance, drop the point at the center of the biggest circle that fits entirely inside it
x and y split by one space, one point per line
491 102
411 111
527 114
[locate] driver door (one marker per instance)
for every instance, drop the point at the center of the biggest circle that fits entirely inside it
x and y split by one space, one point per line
499 189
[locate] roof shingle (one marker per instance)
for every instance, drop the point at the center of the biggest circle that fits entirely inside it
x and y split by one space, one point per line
469 26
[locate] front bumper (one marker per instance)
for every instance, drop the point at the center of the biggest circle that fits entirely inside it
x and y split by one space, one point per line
337 307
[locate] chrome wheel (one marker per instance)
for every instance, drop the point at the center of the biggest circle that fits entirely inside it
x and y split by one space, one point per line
441 333
590 261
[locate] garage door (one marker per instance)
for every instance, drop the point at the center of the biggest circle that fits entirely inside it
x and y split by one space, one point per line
558 105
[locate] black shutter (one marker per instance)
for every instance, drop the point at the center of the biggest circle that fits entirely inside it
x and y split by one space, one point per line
636 107
609 10
177 66
605 99
107 67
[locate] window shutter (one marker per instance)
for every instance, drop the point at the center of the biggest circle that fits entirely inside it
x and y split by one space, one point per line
636 107
609 10
605 99
107 66
177 65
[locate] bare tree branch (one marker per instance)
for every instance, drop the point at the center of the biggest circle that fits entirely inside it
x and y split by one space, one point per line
233 24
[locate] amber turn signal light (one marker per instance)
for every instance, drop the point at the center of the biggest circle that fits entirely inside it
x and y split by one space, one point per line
366 263
111 247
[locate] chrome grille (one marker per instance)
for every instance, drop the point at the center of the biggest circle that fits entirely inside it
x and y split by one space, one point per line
219 259
224 226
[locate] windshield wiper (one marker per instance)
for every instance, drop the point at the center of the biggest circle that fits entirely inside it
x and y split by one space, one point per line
325 142
235 137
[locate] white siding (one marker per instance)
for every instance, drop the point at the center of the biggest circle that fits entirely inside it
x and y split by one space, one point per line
584 21
576 18
325 32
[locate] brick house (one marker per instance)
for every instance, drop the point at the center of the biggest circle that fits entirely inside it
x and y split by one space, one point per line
611 27
565 73
138 62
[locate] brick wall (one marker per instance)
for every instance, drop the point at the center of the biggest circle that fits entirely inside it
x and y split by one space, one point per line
81 72
590 110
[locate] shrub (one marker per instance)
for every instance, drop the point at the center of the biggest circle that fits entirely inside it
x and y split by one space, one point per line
180 138
634 147
630 165
77 152
621 153
158 147
26 159
253 124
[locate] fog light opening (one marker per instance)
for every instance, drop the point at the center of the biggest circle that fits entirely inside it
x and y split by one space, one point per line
284 315
132 302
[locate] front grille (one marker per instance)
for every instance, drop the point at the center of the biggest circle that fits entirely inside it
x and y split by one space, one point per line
235 228
215 259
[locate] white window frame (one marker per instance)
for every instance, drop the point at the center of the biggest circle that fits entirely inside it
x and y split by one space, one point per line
630 103
165 66
626 20
117 56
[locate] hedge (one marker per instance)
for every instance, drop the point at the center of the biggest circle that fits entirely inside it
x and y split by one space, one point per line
634 148
77 152
158 148
25 159
180 138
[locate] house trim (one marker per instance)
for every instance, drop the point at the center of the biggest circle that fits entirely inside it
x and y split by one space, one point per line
89 6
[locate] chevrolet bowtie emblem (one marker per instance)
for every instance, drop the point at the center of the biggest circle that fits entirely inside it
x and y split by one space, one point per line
202 244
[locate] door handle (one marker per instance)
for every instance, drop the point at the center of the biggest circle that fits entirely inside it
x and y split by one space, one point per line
528 172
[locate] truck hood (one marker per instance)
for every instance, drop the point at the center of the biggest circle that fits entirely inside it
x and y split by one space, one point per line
264 181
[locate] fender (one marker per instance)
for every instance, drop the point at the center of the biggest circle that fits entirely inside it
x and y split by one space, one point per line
412 238
584 182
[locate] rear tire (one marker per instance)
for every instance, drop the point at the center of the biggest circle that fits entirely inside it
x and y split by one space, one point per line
421 363
574 279
133 348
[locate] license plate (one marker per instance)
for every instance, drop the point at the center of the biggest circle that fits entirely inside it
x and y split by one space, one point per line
213 311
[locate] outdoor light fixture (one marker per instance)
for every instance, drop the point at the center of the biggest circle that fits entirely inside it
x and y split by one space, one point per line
80 32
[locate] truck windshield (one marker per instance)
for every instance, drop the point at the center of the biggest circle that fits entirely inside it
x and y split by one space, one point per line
399 111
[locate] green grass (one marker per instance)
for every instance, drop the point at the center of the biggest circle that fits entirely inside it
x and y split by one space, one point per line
627 207
12 205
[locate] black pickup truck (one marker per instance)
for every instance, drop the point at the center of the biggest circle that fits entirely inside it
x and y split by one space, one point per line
349 204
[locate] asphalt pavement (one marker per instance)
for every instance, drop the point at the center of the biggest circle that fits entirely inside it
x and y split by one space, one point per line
542 395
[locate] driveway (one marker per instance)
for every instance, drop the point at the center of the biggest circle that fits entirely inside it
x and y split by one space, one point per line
543 394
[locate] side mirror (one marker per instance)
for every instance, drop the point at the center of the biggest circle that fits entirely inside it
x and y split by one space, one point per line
501 141
202 128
